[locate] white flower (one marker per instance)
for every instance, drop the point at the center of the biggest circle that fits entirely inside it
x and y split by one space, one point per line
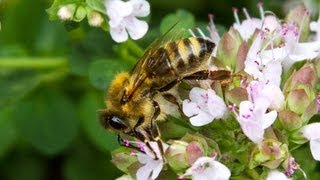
204 107
123 19
276 175
152 167
253 118
206 168
311 132
264 69
65 12
272 92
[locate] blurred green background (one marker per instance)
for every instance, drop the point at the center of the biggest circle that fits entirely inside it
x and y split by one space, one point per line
53 81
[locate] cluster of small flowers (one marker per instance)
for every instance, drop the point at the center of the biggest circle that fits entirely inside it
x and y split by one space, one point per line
122 17
266 88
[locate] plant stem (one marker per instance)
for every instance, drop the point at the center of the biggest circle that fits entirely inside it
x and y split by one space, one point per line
134 48
33 62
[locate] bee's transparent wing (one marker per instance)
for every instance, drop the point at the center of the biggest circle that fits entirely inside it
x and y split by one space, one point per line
138 73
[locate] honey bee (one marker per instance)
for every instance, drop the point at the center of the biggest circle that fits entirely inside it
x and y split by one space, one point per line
131 107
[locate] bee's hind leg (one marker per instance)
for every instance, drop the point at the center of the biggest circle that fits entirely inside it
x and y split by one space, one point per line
155 133
212 75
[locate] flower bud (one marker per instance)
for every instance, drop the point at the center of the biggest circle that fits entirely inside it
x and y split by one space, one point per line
95 19
269 153
298 100
123 159
236 95
80 14
305 75
177 157
228 48
311 110
66 12
290 120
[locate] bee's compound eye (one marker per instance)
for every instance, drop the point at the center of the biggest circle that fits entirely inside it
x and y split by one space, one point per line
116 123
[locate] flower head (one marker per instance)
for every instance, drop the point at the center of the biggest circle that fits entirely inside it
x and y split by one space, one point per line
152 166
203 107
123 18
311 132
206 168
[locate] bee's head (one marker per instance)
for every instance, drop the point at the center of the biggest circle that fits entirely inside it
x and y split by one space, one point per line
113 122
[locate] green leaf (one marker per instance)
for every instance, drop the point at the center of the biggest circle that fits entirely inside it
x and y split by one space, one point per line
15 85
304 158
102 72
102 138
8 133
47 120
89 49
184 19
97 5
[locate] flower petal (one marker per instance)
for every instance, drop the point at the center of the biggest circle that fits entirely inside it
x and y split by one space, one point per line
197 95
311 131
248 27
268 119
144 172
275 95
276 175
315 149
141 8
158 165
135 27
117 10
216 105
190 108
203 118
118 34
253 130
206 168
143 158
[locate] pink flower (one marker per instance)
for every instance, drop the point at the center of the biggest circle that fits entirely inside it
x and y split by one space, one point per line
203 107
206 168
123 19
311 132
152 167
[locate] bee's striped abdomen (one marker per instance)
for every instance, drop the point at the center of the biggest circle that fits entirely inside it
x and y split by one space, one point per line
190 53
